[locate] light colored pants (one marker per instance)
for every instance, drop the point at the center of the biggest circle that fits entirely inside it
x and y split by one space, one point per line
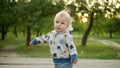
63 65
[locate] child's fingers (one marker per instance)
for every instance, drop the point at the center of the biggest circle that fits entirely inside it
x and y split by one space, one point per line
74 61
30 43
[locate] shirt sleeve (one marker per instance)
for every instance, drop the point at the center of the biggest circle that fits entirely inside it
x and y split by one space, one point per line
71 47
41 39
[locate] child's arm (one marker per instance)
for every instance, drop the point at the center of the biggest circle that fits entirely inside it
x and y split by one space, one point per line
39 40
35 41
72 49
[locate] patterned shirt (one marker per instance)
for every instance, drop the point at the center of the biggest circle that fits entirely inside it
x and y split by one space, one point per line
61 45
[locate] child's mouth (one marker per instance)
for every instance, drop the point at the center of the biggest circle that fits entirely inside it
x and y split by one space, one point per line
58 28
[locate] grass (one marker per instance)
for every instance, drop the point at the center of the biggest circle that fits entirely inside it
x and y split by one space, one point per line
96 50
36 51
93 49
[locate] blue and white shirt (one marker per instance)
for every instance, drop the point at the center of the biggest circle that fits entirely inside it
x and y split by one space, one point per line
61 44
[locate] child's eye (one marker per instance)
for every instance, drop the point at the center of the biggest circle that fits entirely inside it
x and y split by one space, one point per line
57 22
62 23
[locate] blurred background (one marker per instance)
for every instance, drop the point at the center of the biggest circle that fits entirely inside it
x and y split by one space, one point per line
96 26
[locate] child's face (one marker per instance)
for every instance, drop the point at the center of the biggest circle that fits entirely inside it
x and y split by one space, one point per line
61 24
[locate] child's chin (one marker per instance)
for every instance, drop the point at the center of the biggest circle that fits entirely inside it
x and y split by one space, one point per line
58 31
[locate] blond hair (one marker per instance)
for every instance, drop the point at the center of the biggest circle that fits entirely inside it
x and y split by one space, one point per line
62 15
68 10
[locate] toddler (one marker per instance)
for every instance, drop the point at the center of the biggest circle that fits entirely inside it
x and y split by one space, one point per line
62 47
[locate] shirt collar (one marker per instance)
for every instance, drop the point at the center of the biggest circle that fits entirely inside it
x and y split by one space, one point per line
54 31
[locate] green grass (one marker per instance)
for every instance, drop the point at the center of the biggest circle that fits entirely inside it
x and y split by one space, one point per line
96 50
36 51
93 49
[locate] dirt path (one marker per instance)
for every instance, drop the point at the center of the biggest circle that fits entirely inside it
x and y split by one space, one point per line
107 42
8 51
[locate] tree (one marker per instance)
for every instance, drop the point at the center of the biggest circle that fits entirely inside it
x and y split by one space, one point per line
112 26
99 25
26 12
112 14
93 7
6 16
33 15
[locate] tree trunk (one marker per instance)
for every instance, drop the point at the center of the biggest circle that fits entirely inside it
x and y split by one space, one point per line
37 33
3 32
85 36
110 34
28 35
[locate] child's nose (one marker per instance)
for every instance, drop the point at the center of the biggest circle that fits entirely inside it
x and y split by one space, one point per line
58 24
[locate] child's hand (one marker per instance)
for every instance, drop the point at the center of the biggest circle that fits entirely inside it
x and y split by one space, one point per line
30 43
74 61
